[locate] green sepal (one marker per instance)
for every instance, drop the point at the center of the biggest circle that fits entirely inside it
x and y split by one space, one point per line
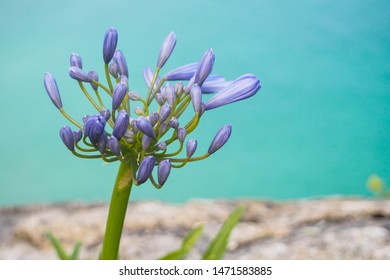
187 244
217 246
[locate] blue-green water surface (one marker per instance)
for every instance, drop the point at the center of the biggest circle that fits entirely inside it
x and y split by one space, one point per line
319 126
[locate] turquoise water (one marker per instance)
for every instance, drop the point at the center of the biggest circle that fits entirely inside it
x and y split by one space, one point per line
319 126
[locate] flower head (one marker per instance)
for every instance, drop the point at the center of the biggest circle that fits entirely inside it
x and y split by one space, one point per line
155 134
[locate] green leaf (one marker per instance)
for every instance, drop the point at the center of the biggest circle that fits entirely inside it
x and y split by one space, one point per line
57 246
62 255
217 247
76 251
187 244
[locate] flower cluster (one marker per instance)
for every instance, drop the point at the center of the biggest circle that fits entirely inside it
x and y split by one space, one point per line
141 139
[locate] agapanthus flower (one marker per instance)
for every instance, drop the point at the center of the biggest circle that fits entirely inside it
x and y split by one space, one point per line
139 130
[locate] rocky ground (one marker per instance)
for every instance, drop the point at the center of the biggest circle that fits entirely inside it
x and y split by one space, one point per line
332 228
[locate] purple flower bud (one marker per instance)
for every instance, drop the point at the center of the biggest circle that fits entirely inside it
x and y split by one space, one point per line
120 60
114 146
164 168
214 84
77 135
220 138
170 94
166 49
121 124
79 75
162 129
205 67
160 98
196 97
184 72
113 69
94 77
102 143
241 88
109 44
145 169
181 134
66 135
162 146
153 118
179 89
118 95
52 90
75 60
148 77
133 96
174 123
146 141
105 113
188 87
191 147
145 127
94 128
165 112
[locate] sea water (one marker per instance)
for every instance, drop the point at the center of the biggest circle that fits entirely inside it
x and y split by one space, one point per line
319 126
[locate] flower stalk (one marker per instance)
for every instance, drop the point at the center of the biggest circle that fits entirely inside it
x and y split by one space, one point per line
117 212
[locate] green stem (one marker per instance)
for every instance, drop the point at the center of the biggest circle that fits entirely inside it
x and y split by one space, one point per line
117 212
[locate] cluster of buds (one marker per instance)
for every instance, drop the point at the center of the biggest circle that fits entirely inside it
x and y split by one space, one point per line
142 138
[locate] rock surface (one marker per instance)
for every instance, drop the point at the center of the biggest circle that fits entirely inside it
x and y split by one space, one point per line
331 228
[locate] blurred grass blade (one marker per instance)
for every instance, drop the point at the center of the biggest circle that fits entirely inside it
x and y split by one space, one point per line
76 251
61 251
187 244
218 245
57 246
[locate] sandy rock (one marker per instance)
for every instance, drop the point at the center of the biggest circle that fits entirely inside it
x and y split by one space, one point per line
331 228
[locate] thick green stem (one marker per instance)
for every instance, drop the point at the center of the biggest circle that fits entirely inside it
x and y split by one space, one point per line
117 212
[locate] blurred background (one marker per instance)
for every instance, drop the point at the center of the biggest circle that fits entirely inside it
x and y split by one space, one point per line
319 126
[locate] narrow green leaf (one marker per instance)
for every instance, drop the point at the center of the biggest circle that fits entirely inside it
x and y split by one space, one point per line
57 246
76 251
187 244
218 245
